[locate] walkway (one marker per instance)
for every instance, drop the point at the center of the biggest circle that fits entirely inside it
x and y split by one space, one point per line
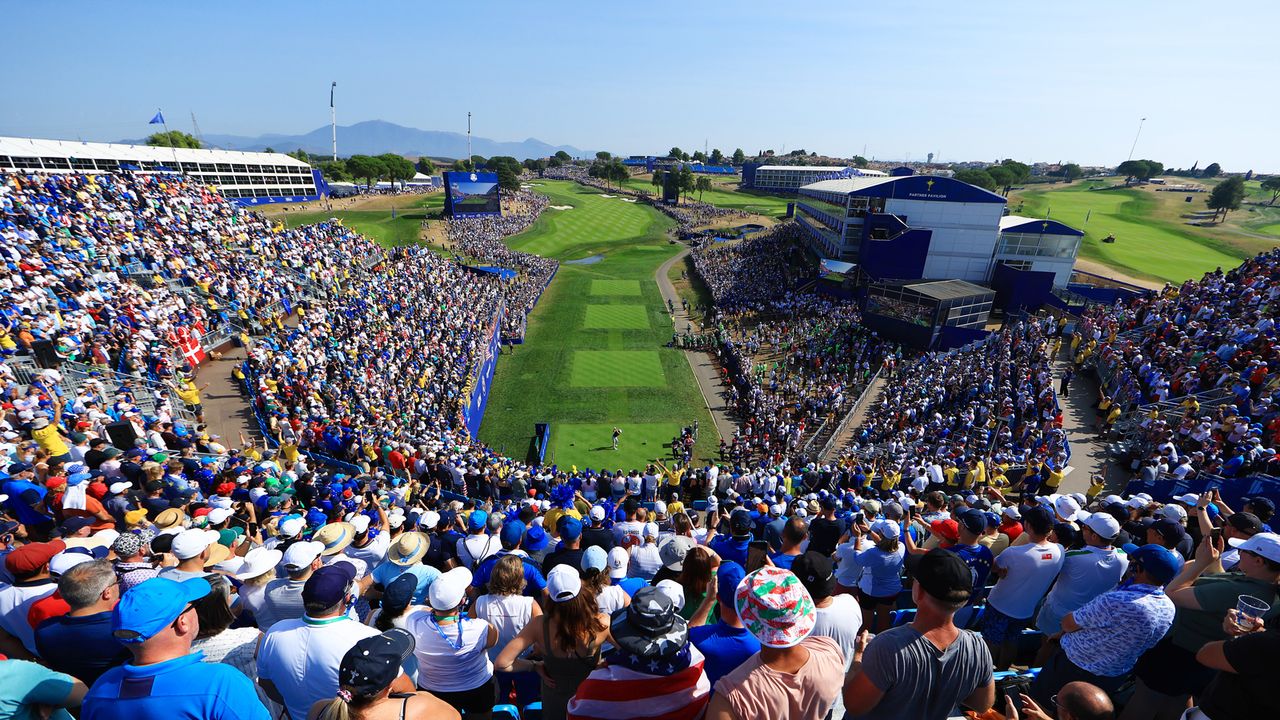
703 364
226 410
1088 453
841 441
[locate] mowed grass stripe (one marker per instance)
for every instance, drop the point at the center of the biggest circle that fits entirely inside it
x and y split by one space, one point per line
616 317
616 368
627 288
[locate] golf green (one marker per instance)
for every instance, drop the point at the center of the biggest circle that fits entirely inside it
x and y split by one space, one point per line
616 317
616 368
595 354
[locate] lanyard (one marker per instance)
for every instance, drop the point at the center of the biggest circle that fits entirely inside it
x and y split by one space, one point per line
456 645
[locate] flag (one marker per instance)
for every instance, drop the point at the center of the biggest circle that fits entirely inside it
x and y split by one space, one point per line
620 690
158 119
190 347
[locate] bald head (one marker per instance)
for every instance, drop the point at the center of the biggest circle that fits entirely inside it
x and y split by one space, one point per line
1082 701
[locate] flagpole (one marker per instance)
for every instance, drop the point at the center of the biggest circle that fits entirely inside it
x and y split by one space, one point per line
333 119
173 149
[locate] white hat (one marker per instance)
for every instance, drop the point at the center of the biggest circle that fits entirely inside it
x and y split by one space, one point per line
1111 500
776 510
660 507
673 590
395 520
1066 507
430 519
255 493
651 530
886 528
448 590
258 561
1176 513
1012 512
119 488
360 522
1136 503
1103 524
218 515
563 583
64 561
1187 498
190 543
801 512
597 513
301 554
618 560
107 536
291 526
1265 544
1083 515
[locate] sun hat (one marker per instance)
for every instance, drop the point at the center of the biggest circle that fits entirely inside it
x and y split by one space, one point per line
1161 563
258 561
535 538
336 536
447 591
170 518
430 519
373 663
563 583
1265 544
329 584
650 627
595 558
673 551
618 560
408 549
149 607
775 607
301 554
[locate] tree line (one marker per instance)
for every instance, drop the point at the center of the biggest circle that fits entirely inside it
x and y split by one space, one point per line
998 178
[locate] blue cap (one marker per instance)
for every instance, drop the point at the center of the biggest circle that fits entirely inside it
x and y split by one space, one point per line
569 528
149 607
512 533
728 577
535 538
1161 563
476 520
77 478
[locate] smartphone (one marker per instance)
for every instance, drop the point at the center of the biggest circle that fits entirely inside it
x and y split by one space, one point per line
757 553
1215 535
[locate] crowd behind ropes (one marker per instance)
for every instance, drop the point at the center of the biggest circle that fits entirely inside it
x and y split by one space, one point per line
427 576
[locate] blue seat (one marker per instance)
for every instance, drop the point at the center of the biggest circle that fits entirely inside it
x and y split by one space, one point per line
533 711
506 712
902 617
969 616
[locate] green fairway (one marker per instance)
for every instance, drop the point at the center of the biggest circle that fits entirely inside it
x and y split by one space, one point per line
1270 229
388 231
595 355
726 196
616 317
1145 244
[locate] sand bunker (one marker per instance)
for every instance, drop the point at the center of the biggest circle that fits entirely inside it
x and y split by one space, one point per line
608 196
560 207
628 199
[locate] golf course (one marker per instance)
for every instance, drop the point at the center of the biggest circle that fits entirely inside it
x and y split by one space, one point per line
595 353
398 223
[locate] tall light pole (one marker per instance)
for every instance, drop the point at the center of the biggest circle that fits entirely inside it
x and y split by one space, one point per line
333 119
1135 138
473 167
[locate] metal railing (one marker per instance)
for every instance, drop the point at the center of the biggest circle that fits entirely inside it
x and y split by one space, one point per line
863 398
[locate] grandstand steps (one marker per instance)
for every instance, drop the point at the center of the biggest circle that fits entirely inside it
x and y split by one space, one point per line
854 423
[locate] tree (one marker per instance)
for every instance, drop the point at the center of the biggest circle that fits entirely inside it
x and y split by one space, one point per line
1070 171
1211 170
739 157
335 170
685 180
981 178
717 157
554 162
173 139
425 166
859 161
675 152
269 149
1019 172
396 168
562 156
300 154
1226 196
1272 185
702 184
657 181
698 156
603 155
618 172
1131 169
1001 176
364 166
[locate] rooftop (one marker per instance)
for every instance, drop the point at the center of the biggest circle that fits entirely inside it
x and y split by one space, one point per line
37 147
949 289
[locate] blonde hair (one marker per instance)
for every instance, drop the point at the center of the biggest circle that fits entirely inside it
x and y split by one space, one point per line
507 576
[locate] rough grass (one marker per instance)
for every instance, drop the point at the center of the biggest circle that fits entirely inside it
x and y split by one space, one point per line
402 229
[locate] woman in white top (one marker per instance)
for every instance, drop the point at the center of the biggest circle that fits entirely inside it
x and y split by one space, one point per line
451 648
237 647
609 597
509 610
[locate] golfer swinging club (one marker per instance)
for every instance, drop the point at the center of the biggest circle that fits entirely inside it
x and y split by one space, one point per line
617 433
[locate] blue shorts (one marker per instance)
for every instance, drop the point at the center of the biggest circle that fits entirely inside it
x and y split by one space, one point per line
998 627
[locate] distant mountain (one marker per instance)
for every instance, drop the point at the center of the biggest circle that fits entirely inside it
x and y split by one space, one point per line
374 137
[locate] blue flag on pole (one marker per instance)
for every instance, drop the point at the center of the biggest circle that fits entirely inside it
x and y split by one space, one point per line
158 119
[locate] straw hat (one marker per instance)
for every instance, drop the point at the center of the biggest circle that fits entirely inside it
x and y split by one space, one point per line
336 536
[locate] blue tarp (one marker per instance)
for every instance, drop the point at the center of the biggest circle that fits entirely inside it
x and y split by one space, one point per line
501 272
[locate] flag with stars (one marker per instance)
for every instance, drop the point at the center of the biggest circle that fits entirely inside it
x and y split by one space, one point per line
671 687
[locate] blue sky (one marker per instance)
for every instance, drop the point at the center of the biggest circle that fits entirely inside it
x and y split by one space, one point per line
965 80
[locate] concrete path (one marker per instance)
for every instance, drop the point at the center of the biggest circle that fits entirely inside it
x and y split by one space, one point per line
226 409
855 423
703 364
1088 453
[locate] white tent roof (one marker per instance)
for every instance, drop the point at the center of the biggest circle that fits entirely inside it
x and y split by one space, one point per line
36 147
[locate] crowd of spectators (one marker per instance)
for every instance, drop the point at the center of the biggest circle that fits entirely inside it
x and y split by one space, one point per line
742 274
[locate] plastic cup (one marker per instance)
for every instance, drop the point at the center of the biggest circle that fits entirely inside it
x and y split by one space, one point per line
1250 609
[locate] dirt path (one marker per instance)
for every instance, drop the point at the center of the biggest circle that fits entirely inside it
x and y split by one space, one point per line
1098 268
703 364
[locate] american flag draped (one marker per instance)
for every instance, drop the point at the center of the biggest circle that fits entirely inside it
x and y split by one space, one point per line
670 688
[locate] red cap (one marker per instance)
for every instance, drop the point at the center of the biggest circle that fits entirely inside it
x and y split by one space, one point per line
55 481
200 512
97 489
946 529
27 560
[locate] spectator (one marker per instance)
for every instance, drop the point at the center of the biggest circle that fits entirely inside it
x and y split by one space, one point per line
794 535
923 669
1086 573
839 616
282 600
598 581
1242 687
652 672
509 610
725 644
298 657
881 580
29 566
368 677
1024 574
81 643
29 691
451 648
155 620
1076 701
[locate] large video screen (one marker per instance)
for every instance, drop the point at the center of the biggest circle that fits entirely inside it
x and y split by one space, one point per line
472 194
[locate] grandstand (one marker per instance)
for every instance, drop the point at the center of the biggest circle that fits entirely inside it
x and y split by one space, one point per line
248 178
790 178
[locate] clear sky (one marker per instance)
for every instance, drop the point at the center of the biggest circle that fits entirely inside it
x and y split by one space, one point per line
973 80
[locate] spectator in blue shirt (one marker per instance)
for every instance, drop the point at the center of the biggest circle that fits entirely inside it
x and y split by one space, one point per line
725 644
156 620
81 643
794 533
511 537
734 548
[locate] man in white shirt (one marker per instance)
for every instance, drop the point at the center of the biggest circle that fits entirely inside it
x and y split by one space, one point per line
298 659
1025 573
371 550
29 566
1086 573
478 544
646 560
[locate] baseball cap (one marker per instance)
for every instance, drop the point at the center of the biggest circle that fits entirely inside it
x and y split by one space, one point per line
190 543
1176 513
1168 530
674 550
1187 498
512 533
218 515
373 663
476 522
674 591
618 560
595 558
569 528
886 528
447 591
1264 543
947 529
1066 507
1256 501
1161 563
1011 512
301 554
563 583
816 573
119 488
597 513
972 520
1104 525
291 525
149 607
360 522
740 522
944 576
775 607
399 593
329 584
728 576
65 560
1245 522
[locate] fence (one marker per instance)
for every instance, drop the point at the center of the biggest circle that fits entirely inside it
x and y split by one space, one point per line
863 398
